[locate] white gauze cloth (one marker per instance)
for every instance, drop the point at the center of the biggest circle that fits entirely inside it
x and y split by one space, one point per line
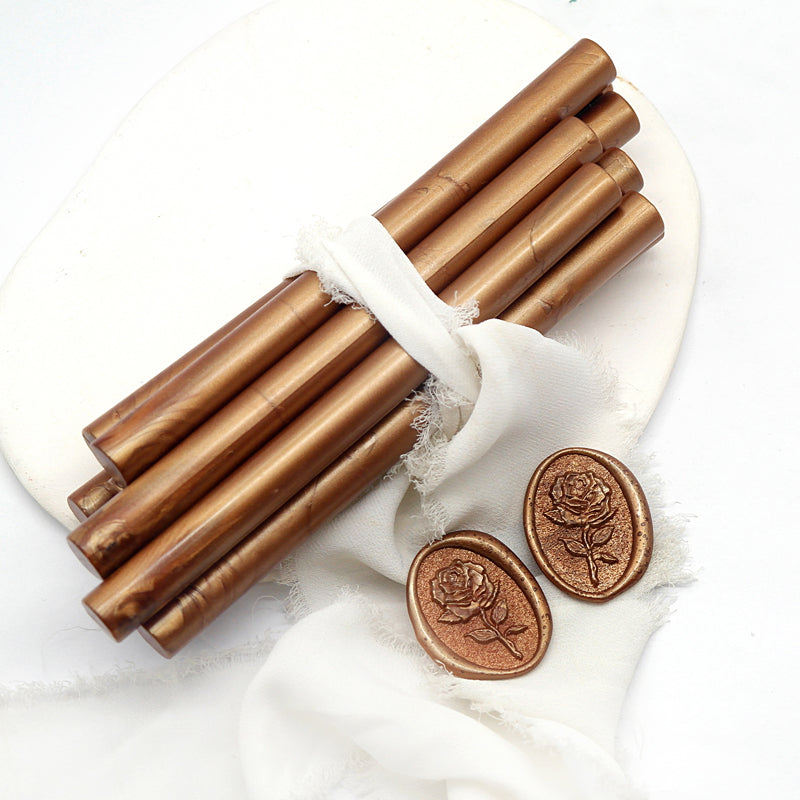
347 704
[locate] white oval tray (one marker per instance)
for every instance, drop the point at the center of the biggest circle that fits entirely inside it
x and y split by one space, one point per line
303 108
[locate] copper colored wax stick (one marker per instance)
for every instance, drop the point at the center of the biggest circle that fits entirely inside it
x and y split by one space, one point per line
97 491
208 382
216 524
631 229
564 88
93 495
165 418
607 122
213 450
336 488
111 417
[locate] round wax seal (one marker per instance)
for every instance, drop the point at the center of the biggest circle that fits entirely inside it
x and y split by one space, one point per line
476 609
588 523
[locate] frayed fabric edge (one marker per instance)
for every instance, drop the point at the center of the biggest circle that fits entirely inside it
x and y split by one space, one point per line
549 737
444 412
310 250
169 673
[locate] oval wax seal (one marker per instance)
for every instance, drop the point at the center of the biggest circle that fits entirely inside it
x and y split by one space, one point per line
588 523
476 609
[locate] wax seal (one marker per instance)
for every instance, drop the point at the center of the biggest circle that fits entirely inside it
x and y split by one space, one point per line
476 609
588 523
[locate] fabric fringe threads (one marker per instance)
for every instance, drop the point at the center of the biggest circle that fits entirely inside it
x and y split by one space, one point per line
218 467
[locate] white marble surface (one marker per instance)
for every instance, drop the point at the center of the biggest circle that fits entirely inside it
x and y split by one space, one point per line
714 708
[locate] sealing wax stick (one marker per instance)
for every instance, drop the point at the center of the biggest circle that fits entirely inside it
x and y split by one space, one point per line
93 495
568 85
335 489
630 230
110 418
169 415
607 122
208 454
302 450
97 491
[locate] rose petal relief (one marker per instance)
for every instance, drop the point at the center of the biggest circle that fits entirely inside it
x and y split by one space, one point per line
476 609
588 523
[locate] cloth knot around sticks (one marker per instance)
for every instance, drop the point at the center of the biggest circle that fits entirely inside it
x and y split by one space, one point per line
363 265
348 683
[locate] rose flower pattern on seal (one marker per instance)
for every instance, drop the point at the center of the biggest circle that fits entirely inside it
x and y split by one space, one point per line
465 590
582 503
476 609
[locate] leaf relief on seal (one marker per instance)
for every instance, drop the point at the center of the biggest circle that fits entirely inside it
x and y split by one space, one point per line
582 505
465 590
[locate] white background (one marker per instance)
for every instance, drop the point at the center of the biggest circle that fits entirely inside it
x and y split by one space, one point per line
714 708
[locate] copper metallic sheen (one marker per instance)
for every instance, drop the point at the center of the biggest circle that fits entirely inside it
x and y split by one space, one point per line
562 90
213 450
208 382
121 410
633 227
476 609
93 495
300 452
217 589
629 230
588 524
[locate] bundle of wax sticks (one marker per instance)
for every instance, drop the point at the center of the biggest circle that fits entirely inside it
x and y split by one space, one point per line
223 463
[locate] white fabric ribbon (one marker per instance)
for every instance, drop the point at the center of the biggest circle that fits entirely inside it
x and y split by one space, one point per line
363 264
348 702
347 705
